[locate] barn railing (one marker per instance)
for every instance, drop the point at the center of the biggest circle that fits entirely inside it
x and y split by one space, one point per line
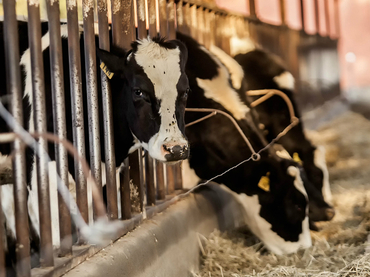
155 183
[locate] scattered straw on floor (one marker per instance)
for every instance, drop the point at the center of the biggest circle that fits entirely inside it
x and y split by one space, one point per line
339 248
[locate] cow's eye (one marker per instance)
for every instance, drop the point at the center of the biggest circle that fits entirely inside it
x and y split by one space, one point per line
186 93
138 92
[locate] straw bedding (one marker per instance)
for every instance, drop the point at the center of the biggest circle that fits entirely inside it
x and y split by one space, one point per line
339 248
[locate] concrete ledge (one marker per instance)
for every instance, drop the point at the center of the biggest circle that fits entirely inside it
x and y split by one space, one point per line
167 245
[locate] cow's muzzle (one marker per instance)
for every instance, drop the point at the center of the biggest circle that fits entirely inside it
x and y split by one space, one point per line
176 152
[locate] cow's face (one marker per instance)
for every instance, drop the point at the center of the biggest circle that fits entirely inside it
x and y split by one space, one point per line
279 215
156 88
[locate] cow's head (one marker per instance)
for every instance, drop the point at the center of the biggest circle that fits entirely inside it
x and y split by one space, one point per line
278 213
152 78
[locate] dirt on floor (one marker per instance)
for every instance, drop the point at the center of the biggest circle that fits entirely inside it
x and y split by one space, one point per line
339 248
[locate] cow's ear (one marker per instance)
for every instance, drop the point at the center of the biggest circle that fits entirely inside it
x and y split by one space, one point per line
114 63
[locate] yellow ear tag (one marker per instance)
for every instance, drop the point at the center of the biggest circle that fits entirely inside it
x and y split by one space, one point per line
264 182
106 71
296 158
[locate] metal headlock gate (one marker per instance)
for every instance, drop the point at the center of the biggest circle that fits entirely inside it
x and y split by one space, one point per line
156 183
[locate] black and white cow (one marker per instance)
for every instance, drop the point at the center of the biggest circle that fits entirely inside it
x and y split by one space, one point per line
149 94
263 70
275 115
276 212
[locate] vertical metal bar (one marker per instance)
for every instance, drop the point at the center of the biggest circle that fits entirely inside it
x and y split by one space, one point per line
163 27
218 30
337 17
187 18
193 20
161 192
317 16
170 171
59 120
180 17
141 22
123 27
282 12
2 245
13 77
142 184
327 18
125 190
303 16
149 169
39 117
135 168
77 109
152 18
207 28
252 8
171 19
178 176
200 24
212 28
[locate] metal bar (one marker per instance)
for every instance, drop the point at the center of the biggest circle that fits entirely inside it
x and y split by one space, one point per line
171 19
141 183
122 23
207 28
59 121
149 169
180 17
218 30
327 18
170 174
193 20
302 16
178 176
317 16
161 192
13 77
152 16
141 22
110 159
252 8
200 25
2 240
282 12
135 173
125 190
163 27
78 129
212 28
187 19
337 17
39 117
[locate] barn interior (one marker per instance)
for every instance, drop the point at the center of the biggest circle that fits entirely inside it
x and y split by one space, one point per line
161 221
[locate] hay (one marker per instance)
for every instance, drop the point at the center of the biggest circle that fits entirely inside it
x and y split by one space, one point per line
339 248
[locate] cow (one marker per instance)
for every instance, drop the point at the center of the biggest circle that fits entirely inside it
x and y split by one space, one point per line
275 115
149 93
271 189
263 70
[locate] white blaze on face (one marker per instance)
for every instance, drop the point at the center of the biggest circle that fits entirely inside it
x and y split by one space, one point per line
162 66
189 177
298 183
236 71
262 228
320 162
219 90
285 80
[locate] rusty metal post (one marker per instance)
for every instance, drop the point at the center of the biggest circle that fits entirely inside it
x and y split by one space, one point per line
152 16
77 107
125 190
207 28
303 16
13 78
136 169
141 20
161 192
170 174
337 18
193 21
252 9
200 25
150 187
163 24
171 19
187 19
39 118
180 17
59 121
317 16
282 12
178 176
327 18
212 28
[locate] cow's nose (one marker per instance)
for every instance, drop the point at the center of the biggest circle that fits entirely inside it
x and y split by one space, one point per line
176 152
330 213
